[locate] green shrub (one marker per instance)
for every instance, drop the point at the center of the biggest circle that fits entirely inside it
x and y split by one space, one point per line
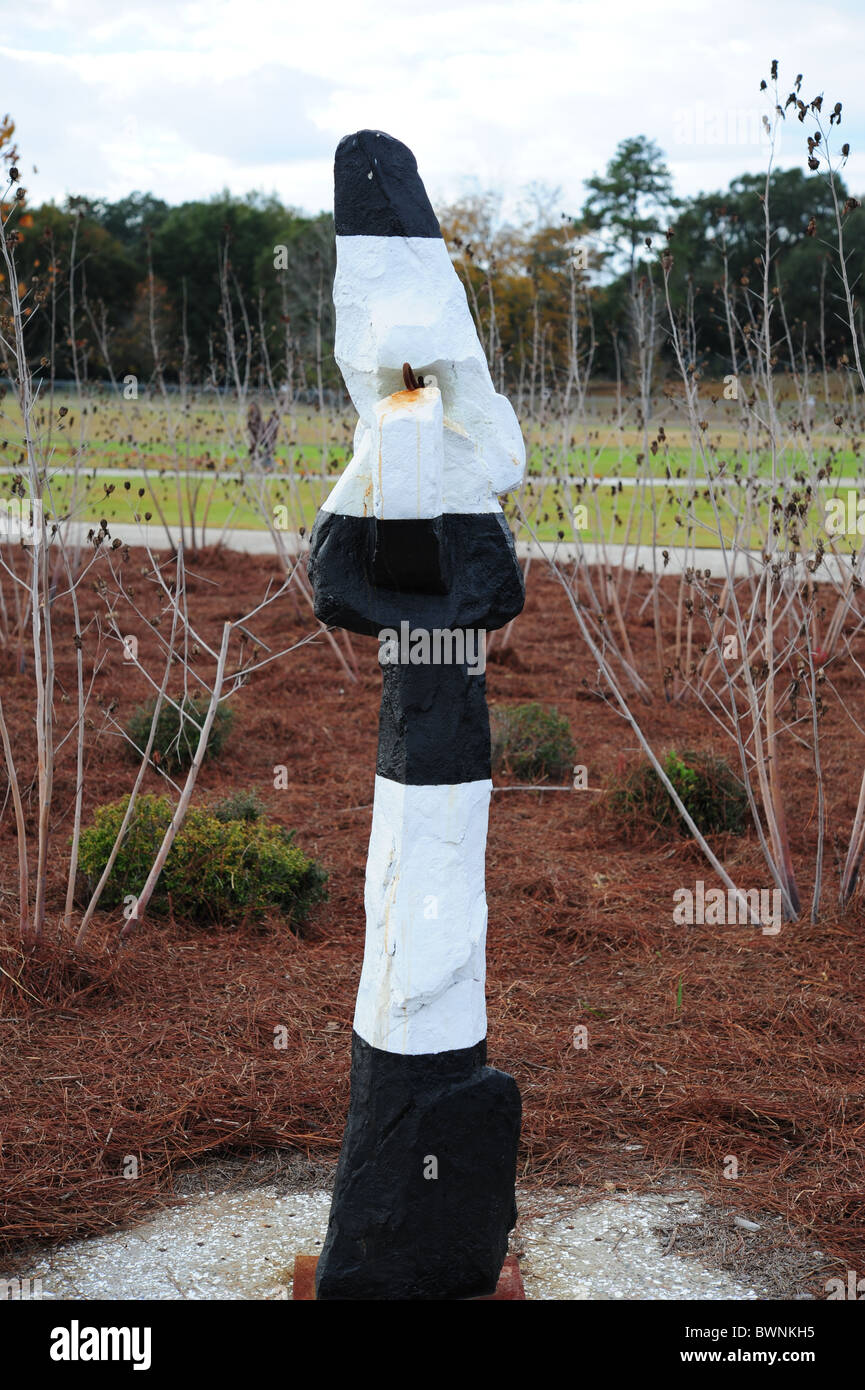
216 869
531 741
240 806
712 794
178 731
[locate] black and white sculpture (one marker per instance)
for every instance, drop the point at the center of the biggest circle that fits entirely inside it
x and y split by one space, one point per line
412 546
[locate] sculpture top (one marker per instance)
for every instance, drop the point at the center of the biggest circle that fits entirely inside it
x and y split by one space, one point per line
378 190
399 299
413 528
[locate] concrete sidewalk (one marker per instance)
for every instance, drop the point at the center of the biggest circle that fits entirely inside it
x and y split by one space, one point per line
564 553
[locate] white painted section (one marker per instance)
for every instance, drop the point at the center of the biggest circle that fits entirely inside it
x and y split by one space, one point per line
352 495
399 299
409 463
422 983
465 487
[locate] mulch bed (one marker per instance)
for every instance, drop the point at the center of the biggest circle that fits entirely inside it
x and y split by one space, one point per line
162 1054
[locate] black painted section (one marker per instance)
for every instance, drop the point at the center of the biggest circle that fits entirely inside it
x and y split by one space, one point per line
393 202
394 1233
411 556
433 725
486 587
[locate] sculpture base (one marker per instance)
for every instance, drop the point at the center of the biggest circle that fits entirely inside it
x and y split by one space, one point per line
509 1287
424 1193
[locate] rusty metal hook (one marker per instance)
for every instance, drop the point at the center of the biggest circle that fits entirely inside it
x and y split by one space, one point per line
412 383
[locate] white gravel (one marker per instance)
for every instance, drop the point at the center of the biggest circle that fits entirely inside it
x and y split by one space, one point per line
607 1250
242 1245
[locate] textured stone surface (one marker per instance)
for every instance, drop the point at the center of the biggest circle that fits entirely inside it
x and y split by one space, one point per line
422 984
407 480
509 1288
378 189
465 484
395 1230
400 300
477 549
434 727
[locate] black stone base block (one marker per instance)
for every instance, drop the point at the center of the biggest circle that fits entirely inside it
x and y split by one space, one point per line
424 1195
357 566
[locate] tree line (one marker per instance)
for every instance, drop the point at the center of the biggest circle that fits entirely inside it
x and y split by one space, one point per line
239 288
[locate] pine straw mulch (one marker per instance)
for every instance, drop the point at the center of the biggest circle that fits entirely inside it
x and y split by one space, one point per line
165 1054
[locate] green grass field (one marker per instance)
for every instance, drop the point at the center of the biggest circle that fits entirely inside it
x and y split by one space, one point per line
208 439
550 512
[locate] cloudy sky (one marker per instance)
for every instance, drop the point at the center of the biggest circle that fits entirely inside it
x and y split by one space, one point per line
184 99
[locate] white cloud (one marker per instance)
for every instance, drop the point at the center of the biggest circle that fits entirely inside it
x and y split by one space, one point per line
184 99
